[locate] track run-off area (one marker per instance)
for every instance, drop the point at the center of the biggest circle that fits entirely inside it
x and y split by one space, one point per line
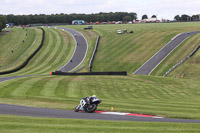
78 56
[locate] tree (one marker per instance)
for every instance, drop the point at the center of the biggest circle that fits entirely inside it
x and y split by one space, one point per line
144 17
185 17
10 18
68 18
177 18
127 18
1 25
3 21
154 16
195 17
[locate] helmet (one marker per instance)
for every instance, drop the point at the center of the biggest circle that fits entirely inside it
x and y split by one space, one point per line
94 96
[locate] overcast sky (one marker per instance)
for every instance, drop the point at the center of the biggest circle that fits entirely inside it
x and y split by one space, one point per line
166 9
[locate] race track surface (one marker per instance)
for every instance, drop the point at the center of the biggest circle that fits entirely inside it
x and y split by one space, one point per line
6 109
79 53
14 77
77 58
4 33
148 67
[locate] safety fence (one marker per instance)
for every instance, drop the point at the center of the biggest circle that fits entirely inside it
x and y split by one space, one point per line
181 62
124 73
29 58
94 53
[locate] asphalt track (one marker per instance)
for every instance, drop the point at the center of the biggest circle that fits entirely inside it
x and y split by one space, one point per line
150 65
6 109
79 53
4 33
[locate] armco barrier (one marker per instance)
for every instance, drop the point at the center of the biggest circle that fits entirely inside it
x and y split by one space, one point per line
28 59
94 53
89 73
181 62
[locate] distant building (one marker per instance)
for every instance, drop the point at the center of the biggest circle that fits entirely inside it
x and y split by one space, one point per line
78 22
151 20
10 24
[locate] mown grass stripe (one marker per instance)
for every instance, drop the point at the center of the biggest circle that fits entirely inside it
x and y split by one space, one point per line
23 88
52 54
44 56
50 87
36 87
56 55
38 59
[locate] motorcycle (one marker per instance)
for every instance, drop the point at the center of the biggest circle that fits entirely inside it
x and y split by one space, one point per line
88 105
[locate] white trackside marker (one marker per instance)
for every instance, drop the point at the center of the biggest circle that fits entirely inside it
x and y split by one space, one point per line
128 114
114 113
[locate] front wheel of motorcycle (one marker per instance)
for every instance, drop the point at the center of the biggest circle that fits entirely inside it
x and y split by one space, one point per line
77 108
91 108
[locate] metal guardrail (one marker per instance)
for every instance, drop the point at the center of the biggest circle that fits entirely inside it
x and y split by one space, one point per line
181 62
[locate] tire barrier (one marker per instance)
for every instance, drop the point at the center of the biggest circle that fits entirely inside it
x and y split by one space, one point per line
181 62
94 53
28 59
88 73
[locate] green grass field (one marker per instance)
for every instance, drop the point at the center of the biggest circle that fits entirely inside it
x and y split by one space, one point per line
56 52
184 50
14 51
189 70
16 124
127 52
176 96
168 97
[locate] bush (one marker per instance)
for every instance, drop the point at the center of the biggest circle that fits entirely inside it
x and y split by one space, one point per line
3 22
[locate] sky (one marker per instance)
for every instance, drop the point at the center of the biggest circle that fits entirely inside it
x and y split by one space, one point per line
165 9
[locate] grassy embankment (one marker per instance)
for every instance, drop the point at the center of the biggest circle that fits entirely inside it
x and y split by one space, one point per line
14 51
190 69
15 124
184 50
169 97
56 52
140 94
127 52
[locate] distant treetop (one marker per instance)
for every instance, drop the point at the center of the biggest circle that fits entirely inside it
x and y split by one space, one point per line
68 18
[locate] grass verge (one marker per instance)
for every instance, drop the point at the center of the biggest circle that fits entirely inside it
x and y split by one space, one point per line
168 97
16 124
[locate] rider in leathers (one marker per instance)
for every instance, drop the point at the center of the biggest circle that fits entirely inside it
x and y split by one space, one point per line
88 100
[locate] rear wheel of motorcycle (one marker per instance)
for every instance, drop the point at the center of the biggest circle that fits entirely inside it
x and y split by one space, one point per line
91 108
77 108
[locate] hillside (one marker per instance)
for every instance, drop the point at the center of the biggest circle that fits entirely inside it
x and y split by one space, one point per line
168 97
57 50
17 46
127 52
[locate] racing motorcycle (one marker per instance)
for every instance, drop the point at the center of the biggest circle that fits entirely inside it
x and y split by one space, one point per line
88 105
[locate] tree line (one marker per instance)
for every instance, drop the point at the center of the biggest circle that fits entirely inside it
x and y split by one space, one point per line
68 18
146 17
185 17
3 22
